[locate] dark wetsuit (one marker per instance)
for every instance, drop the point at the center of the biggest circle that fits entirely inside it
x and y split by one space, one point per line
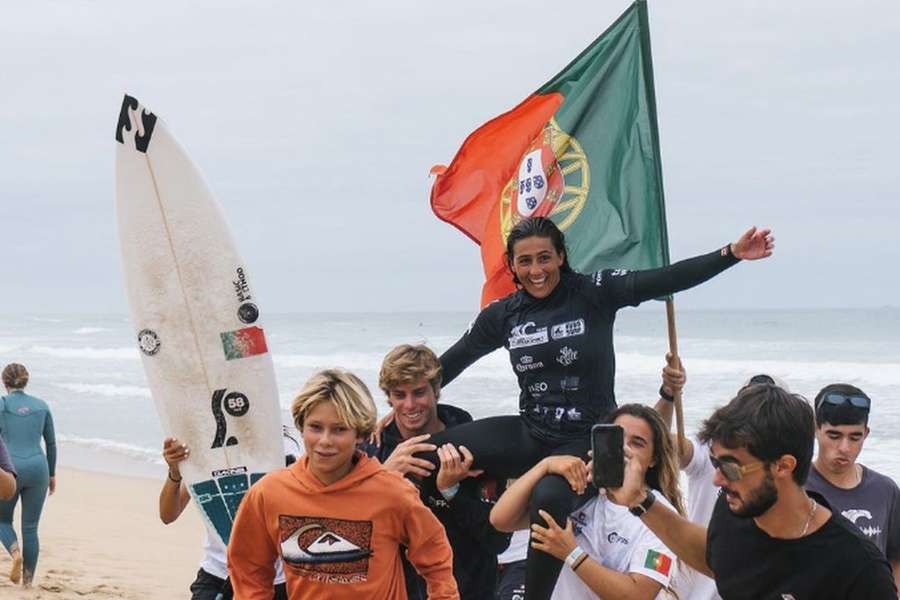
561 350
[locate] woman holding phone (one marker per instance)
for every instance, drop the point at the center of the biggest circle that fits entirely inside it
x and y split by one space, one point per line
608 551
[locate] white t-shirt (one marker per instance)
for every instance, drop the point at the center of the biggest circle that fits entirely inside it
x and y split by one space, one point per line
517 549
702 495
618 540
214 560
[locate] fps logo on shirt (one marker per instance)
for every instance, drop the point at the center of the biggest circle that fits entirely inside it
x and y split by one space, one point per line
326 550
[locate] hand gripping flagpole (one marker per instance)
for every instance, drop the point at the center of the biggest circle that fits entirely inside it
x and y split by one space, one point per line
673 350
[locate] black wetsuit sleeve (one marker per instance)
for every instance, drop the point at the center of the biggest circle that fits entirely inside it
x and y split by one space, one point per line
472 514
483 337
683 275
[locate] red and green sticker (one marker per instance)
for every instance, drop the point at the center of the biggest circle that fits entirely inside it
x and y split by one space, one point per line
658 562
245 342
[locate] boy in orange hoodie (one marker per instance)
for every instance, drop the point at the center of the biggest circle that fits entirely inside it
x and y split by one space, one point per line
336 517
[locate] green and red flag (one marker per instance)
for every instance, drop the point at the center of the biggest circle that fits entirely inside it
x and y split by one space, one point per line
656 561
243 343
582 150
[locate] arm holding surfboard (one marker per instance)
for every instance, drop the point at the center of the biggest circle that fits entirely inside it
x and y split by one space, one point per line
174 496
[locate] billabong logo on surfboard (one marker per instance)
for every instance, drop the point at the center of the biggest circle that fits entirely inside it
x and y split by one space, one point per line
134 117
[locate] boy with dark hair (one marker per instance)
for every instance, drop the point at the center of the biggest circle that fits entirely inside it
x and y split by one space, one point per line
868 499
767 537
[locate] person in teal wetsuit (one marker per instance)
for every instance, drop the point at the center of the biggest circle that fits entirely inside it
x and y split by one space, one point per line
24 420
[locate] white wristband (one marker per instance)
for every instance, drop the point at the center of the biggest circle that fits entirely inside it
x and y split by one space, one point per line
573 556
450 493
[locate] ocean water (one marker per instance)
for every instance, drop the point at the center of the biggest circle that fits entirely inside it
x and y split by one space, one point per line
88 368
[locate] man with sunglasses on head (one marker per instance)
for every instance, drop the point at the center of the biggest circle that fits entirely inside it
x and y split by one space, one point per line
868 499
768 538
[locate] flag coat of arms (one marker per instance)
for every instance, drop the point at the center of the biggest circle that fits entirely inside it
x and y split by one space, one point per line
582 150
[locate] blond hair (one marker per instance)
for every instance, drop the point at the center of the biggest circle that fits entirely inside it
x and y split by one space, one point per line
348 394
407 363
15 376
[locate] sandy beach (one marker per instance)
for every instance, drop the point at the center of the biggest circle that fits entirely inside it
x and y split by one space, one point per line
101 538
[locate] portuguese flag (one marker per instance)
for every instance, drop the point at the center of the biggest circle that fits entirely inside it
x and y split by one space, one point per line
658 562
582 150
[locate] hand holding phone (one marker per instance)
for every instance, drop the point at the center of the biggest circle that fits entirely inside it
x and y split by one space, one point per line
608 462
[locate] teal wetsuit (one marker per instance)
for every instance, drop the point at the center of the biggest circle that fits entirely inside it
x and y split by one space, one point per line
24 420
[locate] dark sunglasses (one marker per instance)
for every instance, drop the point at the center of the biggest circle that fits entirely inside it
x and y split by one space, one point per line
839 399
733 471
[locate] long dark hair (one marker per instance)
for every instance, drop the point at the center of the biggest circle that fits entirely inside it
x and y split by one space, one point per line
662 476
536 227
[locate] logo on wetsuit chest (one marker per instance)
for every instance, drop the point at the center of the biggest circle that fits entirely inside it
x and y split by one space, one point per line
527 363
522 336
567 329
567 356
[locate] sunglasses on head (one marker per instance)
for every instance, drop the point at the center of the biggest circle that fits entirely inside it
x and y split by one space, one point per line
840 399
733 471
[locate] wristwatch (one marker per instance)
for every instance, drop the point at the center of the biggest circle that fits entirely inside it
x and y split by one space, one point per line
644 506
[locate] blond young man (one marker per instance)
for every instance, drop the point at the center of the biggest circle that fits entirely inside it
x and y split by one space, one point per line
336 517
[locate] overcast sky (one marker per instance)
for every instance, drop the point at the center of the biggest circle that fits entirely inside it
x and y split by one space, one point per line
315 125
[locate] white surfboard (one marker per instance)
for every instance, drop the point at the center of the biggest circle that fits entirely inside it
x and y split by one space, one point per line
196 319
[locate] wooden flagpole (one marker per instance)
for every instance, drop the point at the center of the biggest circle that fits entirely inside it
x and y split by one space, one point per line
673 350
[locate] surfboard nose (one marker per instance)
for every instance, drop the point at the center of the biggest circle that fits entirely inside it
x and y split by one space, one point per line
137 121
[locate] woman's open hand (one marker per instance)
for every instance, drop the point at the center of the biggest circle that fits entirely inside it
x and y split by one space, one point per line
754 244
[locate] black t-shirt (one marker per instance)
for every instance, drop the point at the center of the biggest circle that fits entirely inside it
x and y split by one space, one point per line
561 346
836 562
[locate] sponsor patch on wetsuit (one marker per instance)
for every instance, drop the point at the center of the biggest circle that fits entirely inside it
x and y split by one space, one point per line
522 336
567 329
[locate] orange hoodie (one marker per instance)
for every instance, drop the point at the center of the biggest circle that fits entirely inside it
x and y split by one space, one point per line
338 541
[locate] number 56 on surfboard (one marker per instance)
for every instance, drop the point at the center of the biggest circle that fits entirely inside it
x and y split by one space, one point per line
197 320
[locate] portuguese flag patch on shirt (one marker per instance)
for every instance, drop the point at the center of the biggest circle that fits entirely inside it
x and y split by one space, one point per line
658 562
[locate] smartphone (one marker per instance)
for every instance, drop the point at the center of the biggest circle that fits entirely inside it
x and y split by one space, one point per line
608 447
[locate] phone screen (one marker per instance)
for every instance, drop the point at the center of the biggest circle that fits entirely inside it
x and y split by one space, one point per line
607 444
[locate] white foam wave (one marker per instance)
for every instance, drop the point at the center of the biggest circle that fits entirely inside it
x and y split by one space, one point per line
88 330
107 389
494 365
148 455
348 360
87 352
630 364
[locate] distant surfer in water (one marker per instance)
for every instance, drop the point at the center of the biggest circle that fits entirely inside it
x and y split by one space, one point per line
24 421
558 328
